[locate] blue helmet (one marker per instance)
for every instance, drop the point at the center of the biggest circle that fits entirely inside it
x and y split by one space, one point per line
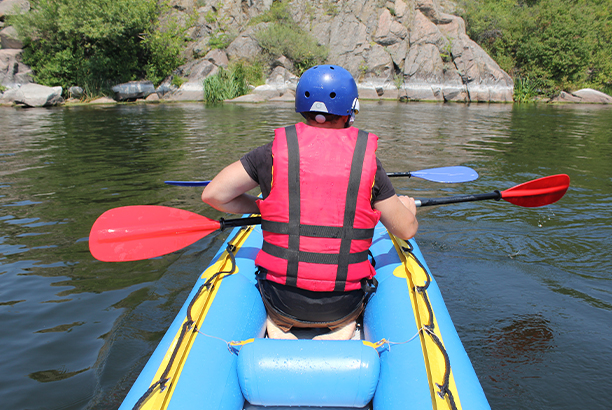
327 88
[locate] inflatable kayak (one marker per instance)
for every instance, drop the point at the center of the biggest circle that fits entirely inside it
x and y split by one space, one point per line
407 353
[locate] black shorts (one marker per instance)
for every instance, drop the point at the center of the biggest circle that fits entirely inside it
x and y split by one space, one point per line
309 308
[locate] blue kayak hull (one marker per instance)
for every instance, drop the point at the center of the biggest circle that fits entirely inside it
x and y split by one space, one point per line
421 361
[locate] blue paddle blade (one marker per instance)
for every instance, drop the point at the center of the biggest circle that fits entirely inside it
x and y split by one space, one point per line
187 183
447 175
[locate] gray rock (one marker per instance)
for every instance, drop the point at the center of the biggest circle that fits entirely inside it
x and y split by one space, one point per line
188 92
8 97
12 71
9 38
217 57
133 90
152 97
245 46
36 95
586 95
12 7
389 31
267 91
103 100
75 92
484 79
249 98
165 88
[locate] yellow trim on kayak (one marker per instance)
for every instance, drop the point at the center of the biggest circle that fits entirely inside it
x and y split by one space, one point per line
434 359
159 400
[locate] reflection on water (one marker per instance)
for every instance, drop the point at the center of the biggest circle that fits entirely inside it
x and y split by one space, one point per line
527 288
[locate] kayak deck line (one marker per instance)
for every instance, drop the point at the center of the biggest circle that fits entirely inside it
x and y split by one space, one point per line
438 369
160 392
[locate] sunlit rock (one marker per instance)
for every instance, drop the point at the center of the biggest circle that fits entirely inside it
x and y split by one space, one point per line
35 95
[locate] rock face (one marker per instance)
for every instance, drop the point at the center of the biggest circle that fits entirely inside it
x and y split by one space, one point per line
408 49
397 49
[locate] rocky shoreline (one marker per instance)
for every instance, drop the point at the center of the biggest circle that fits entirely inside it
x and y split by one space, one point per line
406 50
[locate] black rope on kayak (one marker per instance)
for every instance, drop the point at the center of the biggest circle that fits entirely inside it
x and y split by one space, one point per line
429 329
187 326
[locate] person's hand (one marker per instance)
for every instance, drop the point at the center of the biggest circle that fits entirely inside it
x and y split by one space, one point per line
408 203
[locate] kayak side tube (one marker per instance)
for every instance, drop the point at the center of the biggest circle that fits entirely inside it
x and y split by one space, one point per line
425 365
228 309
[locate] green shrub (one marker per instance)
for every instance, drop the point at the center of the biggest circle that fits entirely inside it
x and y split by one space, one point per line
564 44
220 41
177 81
292 42
278 13
283 36
96 43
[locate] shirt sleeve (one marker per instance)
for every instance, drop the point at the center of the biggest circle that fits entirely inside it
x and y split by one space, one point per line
383 188
258 165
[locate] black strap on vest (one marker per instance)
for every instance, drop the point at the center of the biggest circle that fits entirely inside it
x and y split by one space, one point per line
294 229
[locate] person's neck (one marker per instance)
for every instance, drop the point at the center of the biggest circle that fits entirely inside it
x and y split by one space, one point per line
337 124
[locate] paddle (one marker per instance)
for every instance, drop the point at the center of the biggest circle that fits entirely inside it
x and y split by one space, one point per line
446 175
140 232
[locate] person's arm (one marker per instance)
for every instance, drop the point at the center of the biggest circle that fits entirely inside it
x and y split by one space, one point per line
398 214
227 191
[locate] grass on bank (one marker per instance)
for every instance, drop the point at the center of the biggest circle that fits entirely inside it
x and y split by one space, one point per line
233 82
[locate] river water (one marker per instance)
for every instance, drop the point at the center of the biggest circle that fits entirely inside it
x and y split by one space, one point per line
529 289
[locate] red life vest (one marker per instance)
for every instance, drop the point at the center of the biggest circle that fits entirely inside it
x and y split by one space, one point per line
318 220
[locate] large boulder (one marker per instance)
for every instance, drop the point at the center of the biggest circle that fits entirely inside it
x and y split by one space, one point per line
9 38
246 46
36 95
586 95
133 90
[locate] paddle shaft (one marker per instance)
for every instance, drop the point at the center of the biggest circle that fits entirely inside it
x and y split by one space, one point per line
457 199
448 175
231 223
256 220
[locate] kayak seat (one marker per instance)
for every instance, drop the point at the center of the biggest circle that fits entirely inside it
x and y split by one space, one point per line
316 373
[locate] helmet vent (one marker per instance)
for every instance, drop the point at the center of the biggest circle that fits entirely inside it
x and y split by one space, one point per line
307 94
332 95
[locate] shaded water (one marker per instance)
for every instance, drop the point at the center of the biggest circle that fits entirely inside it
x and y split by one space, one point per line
529 290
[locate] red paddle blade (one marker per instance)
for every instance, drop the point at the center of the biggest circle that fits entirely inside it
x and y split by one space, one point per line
539 192
133 233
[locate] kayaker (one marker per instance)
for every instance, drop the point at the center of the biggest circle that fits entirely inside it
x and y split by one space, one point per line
323 191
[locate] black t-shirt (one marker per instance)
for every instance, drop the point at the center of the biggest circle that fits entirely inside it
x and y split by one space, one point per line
258 164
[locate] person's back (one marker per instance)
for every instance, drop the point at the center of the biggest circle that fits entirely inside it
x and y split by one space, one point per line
324 191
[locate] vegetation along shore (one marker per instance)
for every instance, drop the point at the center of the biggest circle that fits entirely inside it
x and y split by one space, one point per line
215 50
